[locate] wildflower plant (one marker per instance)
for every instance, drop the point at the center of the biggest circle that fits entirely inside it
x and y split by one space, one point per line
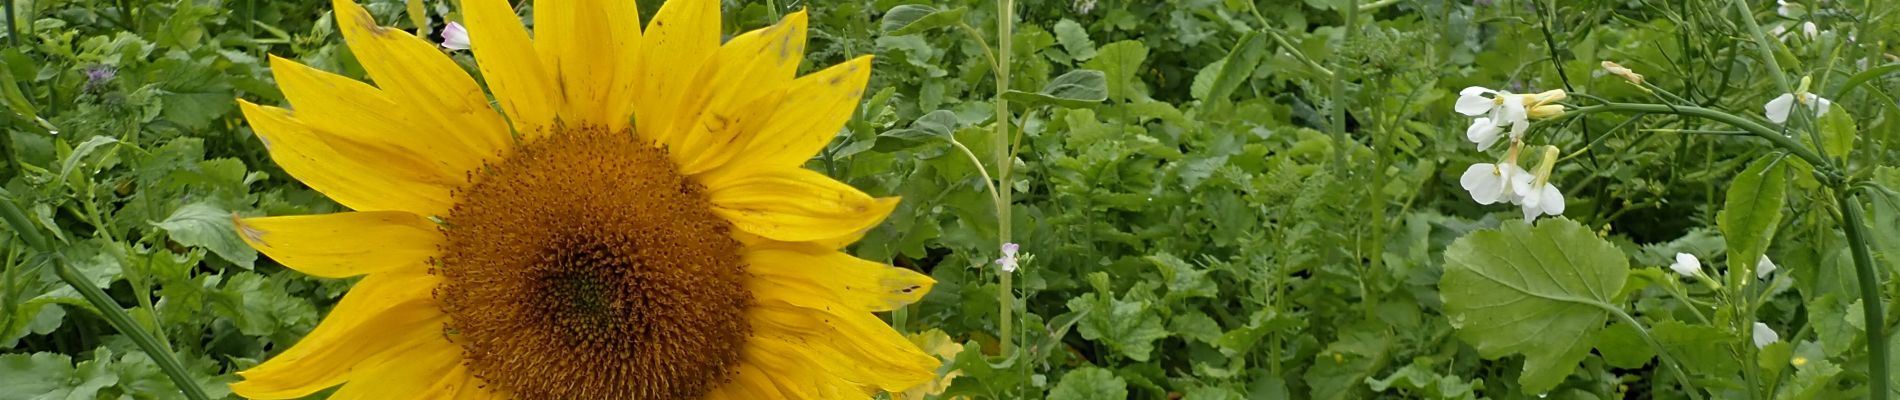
1100 199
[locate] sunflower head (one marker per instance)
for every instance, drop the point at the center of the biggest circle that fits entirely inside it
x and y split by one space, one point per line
630 220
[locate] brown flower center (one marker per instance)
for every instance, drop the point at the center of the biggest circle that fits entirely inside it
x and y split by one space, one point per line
585 266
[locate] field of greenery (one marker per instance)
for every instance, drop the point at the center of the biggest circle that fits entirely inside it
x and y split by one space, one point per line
1182 199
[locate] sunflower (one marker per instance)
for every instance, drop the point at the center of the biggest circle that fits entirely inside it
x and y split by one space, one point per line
631 219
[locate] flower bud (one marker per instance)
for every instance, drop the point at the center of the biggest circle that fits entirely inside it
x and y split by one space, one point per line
1627 74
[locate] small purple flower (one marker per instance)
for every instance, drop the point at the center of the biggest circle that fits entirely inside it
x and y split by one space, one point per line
1008 262
455 37
101 72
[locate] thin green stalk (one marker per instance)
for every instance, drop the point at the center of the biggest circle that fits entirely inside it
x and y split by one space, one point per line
107 307
1005 294
1340 100
1870 291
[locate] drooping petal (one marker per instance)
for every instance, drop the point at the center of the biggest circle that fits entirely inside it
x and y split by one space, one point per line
344 244
1777 110
1483 132
356 175
383 316
433 370
815 107
523 87
414 73
1553 202
1483 182
855 346
747 75
682 37
364 123
1820 104
848 280
795 205
580 44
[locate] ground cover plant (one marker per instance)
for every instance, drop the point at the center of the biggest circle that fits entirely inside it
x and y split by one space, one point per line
1189 199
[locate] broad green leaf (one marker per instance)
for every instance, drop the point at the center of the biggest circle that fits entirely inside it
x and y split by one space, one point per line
1075 40
1622 347
1076 89
1121 63
1129 326
1089 383
1183 279
1753 212
51 376
937 125
206 225
1422 378
1542 292
1837 131
1236 67
1340 370
911 19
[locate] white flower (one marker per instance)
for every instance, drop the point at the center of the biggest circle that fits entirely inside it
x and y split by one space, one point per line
1541 199
455 37
1777 109
1483 132
1790 10
1686 264
1008 262
1763 267
1536 194
1491 183
1765 335
1501 107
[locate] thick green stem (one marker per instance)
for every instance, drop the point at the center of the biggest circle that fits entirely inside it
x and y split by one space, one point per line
1782 141
107 307
1851 222
1005 294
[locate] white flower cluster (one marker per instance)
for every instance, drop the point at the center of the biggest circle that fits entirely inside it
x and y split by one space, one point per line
1495 113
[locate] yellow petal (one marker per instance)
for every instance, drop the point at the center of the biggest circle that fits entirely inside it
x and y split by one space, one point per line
835 276
501 48
855 346
431 371
746 76
357 112
361 176
580 42
748 383
383 316
794 204
679 40
816 106
344 244
413 72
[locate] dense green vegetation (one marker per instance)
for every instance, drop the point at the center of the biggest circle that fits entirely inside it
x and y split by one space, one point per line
1214 199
